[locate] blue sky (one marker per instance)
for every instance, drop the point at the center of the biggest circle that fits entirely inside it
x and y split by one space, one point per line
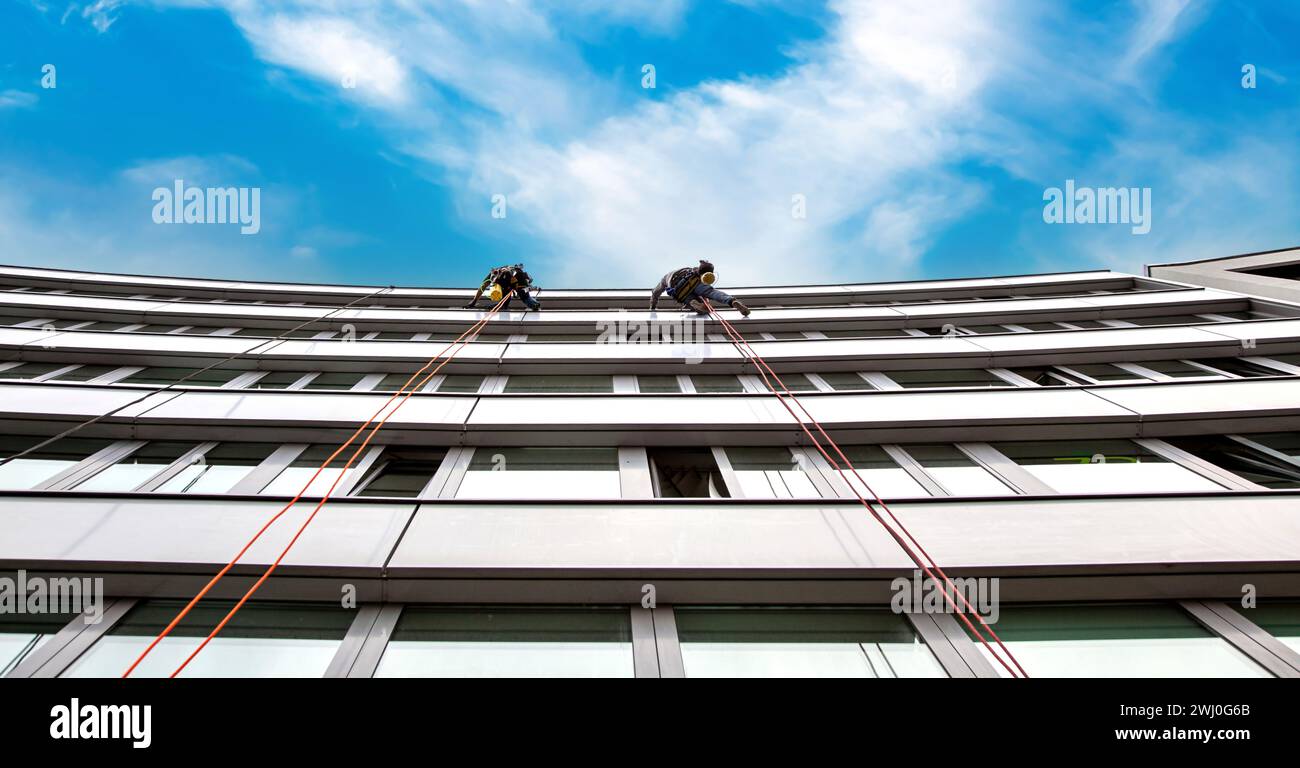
920 138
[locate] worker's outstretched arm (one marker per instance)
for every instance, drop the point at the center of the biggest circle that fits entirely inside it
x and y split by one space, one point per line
477 295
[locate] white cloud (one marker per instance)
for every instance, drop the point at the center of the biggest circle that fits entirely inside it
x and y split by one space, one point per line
15 99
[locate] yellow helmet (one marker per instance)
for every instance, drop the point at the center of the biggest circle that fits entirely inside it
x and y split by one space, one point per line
708 278
495 293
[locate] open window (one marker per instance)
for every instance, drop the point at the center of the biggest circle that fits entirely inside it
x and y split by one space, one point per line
686 473
401 472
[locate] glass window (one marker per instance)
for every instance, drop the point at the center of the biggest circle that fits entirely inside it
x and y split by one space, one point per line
1239 367
880 472
462 384
41 465
395 335
262 640
1104 372
1102 466
394 382
1279 619
1283 442
1242 460
770 472
541 473
401 472
509 642
100 326
211 378
299 472
522 384
1048 377
130 472
717 383
339 381
658 384
158 328
865 333
22 634
1177 369
30 370
795 382
955 471
1088 324
1288 359
685 473
788 335
1132 640
1168 320
846 382
801 642
219 469
1042 326
277 380
85 373
569 338
949 377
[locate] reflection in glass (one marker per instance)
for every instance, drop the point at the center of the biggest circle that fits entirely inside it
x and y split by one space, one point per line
541 473
41 465
882 474
509 642
262 640
770 472
802 642
1134 640
219 469
956 472
1102 466
143 463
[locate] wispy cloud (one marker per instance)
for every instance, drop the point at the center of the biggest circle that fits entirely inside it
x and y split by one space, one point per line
16 99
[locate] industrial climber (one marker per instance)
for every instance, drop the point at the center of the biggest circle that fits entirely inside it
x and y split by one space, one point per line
503 280
690 286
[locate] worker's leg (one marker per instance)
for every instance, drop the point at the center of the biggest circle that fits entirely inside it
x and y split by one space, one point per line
717 297
528 299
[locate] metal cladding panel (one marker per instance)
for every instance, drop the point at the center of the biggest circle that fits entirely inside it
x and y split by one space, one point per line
142 530
366 350
1208 399
263 407
1112 338
27 400
958 533
148 342
872 409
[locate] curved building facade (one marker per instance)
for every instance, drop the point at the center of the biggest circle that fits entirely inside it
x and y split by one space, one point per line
1111 461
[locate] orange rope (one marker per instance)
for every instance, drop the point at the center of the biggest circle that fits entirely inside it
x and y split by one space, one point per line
461 340
761 365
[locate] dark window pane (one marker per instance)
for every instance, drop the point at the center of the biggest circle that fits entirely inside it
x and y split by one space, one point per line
524 384
658 384
716 383
956 377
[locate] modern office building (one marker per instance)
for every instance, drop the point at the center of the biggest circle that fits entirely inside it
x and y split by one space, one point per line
597 490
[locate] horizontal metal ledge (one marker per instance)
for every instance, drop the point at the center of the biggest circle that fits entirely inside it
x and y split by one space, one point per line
451 551
271 291
1178 300
987 351
1151 410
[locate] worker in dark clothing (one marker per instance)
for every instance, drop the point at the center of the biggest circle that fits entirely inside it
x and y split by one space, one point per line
511 278
690 286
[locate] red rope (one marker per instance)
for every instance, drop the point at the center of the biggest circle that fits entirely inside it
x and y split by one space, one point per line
461 340
747 351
